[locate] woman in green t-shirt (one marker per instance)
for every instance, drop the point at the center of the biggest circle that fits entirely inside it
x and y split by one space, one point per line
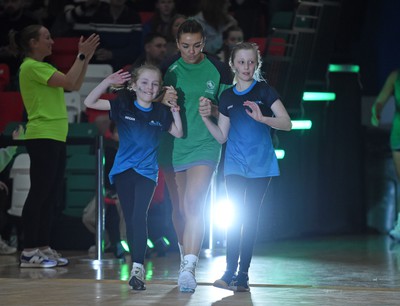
189 162
42 88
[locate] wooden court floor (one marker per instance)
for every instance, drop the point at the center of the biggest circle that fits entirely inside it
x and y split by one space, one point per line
345 270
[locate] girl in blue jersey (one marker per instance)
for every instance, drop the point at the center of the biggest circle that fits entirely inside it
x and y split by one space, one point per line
140 123
248 111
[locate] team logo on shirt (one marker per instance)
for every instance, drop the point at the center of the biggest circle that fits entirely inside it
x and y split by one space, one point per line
210 87
155 123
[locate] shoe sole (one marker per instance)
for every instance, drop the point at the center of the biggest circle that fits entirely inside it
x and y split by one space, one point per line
62 264
136 284
30 265
219 283
187 282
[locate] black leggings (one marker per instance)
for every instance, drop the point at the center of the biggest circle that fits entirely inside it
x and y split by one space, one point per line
135 193
246 196
48 159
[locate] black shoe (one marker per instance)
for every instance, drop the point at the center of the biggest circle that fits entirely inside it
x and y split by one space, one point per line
225 281
240 282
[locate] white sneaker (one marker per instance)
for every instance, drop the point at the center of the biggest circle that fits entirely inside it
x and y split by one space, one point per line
187 280
54 255
138 275
5 249
36 259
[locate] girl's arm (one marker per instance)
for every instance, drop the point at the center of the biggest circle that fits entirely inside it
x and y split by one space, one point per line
176 126
93 101
383 97
281 121
74 78
220 131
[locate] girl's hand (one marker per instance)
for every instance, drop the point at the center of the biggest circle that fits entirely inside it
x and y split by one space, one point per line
168 96
205 107
119 77
175 108
253 110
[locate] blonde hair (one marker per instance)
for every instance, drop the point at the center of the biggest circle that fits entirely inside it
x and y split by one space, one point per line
247 46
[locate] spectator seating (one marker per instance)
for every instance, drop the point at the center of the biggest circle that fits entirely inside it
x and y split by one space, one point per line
92 114
19 173
4 76
73 102
11 108
65 50
94 75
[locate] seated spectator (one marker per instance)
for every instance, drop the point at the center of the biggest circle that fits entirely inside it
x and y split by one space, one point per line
81 11
251 16
155 48
176 21
161 20
119 45
215 19
232 36
6 155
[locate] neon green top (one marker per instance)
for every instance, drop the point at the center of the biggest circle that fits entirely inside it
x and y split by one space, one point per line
207 78
45 105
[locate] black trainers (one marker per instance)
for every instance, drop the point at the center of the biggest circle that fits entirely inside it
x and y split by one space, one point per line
225 281
240 282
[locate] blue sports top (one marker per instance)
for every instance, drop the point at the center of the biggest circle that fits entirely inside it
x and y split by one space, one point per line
249 150
139 131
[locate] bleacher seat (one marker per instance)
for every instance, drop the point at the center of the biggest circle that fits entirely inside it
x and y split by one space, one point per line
261 43
145 16
11 108
94 75
73 102
19 173
80 172
81 180
92 113
64 52
4 76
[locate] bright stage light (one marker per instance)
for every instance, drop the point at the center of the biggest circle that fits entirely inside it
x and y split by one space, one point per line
223 213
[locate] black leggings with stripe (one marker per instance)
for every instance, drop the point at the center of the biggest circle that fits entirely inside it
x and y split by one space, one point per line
135 193
246 196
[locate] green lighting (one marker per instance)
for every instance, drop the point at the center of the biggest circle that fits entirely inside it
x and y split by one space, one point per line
280 154
319 96
166 241
124 272
301 124
125 245
344 68
150 244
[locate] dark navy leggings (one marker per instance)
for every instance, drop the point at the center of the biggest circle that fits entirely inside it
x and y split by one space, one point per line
246 196
135 193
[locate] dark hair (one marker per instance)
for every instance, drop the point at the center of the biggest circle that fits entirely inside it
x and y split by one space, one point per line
151 36
173 19
213 12
248 46
20 40
190 26
234 28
